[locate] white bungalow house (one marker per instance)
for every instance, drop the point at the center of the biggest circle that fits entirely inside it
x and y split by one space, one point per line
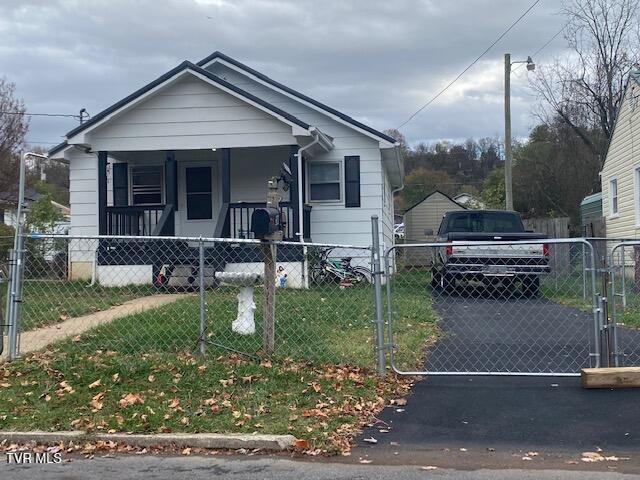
190 153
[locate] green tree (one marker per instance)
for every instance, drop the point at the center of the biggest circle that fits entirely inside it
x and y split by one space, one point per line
42 215
493 193
421 182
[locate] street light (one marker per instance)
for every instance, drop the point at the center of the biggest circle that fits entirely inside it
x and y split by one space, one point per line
12 312
508 180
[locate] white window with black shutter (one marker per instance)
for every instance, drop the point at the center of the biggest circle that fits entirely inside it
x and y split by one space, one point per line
324 181
147 182
352 181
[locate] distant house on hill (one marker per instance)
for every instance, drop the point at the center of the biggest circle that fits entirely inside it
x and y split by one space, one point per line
469 201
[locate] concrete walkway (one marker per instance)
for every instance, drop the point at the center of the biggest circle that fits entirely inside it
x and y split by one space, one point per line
41 337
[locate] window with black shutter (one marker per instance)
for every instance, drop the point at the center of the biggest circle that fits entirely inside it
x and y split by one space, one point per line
120 185
352 181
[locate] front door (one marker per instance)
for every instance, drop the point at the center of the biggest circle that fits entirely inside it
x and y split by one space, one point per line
198 199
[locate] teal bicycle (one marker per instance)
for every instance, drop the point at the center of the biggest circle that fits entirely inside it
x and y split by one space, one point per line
328 270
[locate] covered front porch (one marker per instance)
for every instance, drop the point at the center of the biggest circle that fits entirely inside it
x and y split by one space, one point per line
197 193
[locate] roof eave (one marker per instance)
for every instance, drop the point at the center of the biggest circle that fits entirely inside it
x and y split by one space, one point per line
186 66
346 118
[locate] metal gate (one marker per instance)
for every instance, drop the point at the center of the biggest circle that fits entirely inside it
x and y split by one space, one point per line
622 315
494 308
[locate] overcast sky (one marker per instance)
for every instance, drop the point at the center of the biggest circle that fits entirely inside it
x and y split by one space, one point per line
377 61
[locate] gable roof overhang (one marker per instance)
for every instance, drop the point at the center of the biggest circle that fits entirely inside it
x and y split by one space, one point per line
429 196
394 164
386 140
77 136
634 75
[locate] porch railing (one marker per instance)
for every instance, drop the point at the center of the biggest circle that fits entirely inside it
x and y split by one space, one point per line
135 220
239 219
234 220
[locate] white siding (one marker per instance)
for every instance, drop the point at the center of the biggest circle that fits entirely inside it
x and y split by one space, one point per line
427 215
250 170
622 158
83 192
190 114
333 223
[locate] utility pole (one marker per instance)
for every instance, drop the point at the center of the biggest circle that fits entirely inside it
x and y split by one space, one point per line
508 180
508 157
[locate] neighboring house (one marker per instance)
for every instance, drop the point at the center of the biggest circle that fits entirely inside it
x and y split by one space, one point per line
9 211
469 201
620 174
190 154
421 220
8 202
591 221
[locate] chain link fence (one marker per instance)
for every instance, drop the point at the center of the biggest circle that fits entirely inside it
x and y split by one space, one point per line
139 295
496 307
623 302
548 307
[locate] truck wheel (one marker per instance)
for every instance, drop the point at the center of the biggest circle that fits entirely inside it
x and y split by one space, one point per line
448 283
435 280
531 287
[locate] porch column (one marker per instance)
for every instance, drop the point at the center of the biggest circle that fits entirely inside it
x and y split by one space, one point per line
226 175
171 179
102 193
294 193
226 190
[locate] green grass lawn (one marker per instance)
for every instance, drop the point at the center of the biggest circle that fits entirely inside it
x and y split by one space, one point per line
47 302
320 384
414 320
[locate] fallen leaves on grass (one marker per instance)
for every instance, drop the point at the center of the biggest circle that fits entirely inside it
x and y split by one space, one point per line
95 384
130 399
96 402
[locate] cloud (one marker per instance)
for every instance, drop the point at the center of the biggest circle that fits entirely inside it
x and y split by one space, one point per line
376 61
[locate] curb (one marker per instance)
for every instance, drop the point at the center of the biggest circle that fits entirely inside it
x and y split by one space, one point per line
194 440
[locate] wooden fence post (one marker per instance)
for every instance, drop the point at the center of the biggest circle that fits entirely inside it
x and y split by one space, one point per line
268 335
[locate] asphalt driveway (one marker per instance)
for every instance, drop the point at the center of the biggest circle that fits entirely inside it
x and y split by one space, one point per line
485 334
512 413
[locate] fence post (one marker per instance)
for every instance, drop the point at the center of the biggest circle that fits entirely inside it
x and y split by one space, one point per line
269 250
16 298
377 288
8 314
202 292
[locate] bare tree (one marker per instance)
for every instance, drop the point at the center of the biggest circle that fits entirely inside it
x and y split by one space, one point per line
584 89
13 128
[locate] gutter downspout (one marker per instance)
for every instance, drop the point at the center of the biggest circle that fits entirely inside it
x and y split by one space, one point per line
316 140
393 191
305 276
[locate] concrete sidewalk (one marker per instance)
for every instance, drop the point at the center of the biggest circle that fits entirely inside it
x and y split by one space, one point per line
41 337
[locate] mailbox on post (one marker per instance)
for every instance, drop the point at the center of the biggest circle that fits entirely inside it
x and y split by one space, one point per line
267 224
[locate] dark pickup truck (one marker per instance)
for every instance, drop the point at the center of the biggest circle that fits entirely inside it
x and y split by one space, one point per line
470 257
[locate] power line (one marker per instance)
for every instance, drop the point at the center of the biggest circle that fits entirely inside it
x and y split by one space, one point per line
41 114
470 65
